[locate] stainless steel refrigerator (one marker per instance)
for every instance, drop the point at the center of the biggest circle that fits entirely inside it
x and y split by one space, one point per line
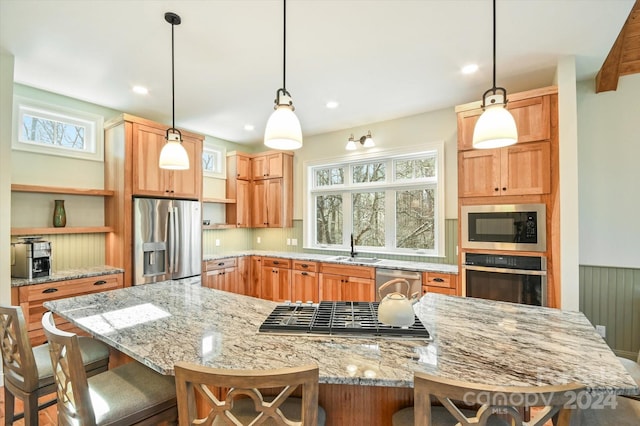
167 240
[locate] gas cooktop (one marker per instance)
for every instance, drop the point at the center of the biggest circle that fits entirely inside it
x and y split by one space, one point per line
350 319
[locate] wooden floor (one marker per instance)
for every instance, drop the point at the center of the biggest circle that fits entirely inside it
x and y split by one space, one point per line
47 417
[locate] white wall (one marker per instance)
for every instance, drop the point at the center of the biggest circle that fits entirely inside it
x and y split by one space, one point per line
403 132
609 174
6 97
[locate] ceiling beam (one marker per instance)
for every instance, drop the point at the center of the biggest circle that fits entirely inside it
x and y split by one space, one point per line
622 58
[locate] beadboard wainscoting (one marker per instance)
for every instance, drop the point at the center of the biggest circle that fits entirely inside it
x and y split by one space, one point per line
73 251
610 296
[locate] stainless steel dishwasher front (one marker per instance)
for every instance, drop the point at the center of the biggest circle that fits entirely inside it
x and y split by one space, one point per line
413 277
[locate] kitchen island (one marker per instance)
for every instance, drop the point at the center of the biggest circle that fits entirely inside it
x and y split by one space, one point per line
363 380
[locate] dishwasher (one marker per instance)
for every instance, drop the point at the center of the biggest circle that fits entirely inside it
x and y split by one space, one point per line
413 277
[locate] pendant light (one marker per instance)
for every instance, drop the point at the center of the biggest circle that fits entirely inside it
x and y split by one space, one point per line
283 127
173 156
496 127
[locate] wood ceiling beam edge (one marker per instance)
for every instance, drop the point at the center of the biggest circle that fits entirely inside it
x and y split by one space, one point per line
607 77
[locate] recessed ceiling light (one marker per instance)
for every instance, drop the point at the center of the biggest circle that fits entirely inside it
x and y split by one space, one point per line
332 104
469 69
141 90
249 127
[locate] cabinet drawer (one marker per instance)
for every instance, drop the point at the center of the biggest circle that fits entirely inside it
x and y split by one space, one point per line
276 262
435 279
220 264
303 265
431 289
348 270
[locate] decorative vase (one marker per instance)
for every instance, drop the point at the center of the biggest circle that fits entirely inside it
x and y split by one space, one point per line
59 214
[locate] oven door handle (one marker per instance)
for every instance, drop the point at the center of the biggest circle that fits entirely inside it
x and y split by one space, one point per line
504 270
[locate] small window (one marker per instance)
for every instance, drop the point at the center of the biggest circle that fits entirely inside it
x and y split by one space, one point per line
410 169
329 176
213 164
54 130
369 172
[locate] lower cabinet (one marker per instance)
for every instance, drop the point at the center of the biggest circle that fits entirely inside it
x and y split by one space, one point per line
254 286
346 283
276 279
436 282
31 298
221 275
304 285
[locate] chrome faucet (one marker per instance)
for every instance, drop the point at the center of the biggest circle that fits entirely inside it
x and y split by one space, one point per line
353 250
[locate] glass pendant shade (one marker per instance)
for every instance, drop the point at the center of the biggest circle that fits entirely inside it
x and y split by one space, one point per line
368 142
495 128
173 155
351 144
283 129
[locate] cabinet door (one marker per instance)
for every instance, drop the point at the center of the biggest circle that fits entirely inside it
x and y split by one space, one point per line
215 279
188 183
526 169
274 165
243 203
243 167
148 178
243 276
255 285
259 167
276 284
532 117
273 205
330 286
359 290
258 200
304 287
231 281
479 173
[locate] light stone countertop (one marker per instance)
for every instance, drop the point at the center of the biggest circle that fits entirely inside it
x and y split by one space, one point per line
69 274
312 257
477 340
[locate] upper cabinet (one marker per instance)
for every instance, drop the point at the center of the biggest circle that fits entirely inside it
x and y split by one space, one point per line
532 117
268 165
239 166
149 179
520 169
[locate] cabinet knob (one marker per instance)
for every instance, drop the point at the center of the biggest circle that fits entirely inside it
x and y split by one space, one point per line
304 265
504 188
221 264
50 290
101 282
304 273
438 280
275 262
496 189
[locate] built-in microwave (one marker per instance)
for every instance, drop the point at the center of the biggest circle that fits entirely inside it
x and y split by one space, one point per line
519 227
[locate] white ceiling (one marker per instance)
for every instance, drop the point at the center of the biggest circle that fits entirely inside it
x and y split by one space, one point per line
380 59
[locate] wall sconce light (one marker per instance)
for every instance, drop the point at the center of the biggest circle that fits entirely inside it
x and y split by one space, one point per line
365 141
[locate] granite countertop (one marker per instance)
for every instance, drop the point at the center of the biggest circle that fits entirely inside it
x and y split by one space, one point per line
311 257
477 340
68 274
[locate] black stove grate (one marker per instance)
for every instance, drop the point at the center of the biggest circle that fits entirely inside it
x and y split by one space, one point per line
336 319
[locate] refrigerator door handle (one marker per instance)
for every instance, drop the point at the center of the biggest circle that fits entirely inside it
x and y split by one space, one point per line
176 240
171 238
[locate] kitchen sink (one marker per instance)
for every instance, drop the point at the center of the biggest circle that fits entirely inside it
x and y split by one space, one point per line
356 259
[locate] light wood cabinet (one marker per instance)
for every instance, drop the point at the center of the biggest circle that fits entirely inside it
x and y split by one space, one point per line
346 282
276 279
239 166
532 117
269 210
151 180
255 283
32 297
268 165
221 275
437 282
304 285
239 213
521 169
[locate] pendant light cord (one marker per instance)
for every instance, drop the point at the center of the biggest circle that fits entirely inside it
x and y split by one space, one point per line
173 84
494 45
284 47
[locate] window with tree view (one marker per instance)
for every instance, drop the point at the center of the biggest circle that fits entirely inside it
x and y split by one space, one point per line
390 204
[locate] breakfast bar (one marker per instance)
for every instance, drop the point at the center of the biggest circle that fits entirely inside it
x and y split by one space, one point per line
471 339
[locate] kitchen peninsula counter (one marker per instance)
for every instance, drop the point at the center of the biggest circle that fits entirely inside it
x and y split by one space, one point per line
476 340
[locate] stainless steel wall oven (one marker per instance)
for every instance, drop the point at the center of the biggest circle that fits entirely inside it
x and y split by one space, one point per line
517 279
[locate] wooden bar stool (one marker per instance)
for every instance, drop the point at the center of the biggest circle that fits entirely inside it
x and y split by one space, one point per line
131 394
27 370
251 406
497 403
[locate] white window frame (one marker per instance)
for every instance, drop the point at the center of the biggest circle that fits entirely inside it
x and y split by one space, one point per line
310 191
221 154
93 124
